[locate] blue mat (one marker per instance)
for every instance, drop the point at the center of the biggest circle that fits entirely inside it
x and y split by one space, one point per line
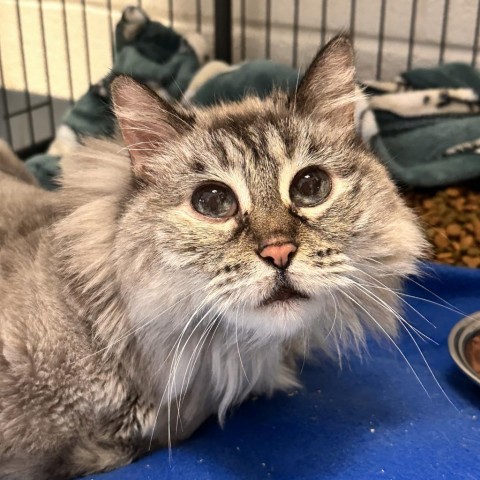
370 420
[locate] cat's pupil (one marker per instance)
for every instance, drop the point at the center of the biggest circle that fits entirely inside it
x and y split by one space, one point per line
214 201
310 187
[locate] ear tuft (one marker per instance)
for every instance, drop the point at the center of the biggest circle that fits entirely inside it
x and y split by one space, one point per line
327 90
146 121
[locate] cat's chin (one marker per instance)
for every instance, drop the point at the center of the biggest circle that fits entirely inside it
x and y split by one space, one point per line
276 309
283 297
279 317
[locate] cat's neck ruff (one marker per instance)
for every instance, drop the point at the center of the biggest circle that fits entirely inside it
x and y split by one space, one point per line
189 347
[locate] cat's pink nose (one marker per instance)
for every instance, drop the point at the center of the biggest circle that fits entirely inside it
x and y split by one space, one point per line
279 254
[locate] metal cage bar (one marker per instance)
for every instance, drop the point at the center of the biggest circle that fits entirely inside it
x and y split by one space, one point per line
248 30
6 115
170 12
243 29
85 41
475 38
323 28
443 39
110 28
381 36
199 16
353 11
223 30
67 50
268 27
411 37
28 101
296 16
51 113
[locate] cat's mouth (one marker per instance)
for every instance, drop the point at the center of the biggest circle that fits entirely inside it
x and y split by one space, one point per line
282 294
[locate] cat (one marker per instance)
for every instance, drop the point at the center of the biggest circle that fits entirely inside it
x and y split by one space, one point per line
192 265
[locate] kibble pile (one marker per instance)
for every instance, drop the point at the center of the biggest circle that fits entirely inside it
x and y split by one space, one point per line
451 219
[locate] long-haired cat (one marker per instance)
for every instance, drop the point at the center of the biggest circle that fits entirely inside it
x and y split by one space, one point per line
169 279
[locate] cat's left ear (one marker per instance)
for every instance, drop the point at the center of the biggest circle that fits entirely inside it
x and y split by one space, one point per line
327 90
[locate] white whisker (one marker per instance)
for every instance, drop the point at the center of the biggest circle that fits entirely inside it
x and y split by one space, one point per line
391 340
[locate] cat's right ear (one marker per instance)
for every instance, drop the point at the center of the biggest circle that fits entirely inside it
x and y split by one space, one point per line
146 121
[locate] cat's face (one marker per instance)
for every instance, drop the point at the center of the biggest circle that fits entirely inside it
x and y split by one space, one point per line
271 212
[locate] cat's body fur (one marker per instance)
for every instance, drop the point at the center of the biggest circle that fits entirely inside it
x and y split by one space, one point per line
54 385
114 316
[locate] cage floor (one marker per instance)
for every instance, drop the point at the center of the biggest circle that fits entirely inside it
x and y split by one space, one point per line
372 419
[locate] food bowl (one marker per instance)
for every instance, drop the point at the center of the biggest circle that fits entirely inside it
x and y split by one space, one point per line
464 346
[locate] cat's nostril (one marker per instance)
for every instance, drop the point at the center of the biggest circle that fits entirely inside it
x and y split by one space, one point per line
279 255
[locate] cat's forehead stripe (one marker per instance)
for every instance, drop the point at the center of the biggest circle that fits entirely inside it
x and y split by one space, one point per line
259 150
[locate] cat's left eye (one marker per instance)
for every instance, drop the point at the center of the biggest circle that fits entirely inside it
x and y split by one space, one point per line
215 200
310 187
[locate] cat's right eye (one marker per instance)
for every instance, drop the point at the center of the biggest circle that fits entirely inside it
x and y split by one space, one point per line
215 200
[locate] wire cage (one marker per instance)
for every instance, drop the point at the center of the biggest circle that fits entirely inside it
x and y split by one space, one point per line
52 50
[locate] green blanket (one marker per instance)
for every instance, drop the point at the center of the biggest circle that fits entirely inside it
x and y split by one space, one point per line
425 127
148 51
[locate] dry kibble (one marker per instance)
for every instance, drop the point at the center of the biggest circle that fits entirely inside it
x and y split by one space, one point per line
456 246
472 262
440 240
459 204
473 252
452 192
477 232
450 216
433 220
451 219
454 230
466 242
428 204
